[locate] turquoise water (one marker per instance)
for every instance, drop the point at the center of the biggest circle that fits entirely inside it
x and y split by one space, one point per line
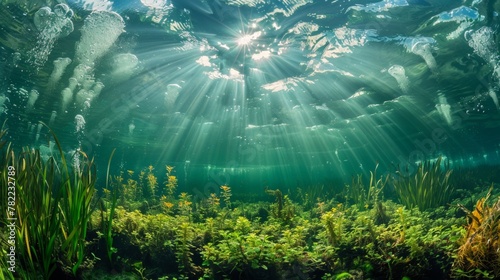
254 93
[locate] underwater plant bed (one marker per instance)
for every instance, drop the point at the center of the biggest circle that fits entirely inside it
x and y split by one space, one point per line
329 241
135 228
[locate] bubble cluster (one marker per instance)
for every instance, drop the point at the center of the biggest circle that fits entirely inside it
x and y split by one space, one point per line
100 30
131 128
60 65
494 97
482 42
171 95
123 66
424 50
52 118
398 72
3 99
67 97
79 123
51 25
32 98
444 109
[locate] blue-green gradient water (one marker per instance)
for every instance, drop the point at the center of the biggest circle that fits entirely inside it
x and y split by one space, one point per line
254 93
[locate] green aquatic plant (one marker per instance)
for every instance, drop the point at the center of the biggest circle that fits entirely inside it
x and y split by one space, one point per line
479 252
235 245
226 195
185 205
309 196
365 197
37 204
149 183
183 247
356 192
428 188
333 221
131 191
283 209
107 215
151 234
75 208
211 206
171 183
278 206
53 208
140 270
5 272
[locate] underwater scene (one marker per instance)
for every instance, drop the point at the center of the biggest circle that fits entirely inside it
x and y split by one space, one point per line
249 139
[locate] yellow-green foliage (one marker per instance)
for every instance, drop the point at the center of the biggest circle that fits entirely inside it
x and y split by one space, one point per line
213 203
333 223
226 195
171 183
152 234
152 183
183 246
479 253
185 205
131 191
142 189
232 244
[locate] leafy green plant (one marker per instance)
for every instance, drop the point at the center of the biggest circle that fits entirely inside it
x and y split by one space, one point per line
171 183
429 188
333 221
226 195
183 246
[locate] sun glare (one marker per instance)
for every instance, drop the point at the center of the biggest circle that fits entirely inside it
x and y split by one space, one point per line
248 38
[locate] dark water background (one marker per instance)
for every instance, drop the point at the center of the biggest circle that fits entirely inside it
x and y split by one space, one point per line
257 93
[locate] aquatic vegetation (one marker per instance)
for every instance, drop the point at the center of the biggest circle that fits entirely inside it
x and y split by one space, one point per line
171 183
309 196
479 252
131 191
107 222
333 223
365 197
152 184
213 204
55 198
234 243
183 246
185 205
371 238
226 195
167 206
429 188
